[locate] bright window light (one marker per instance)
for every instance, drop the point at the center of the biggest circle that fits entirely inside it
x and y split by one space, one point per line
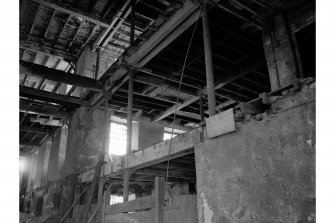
115 199
168 135
117 138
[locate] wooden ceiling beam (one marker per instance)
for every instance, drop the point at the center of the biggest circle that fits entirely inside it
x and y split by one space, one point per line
240 14
61 7
50 51
48 111
49 97
240 71
28 68
35 130
111 29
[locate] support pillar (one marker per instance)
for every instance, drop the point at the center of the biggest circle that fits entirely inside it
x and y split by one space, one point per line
159 199
208 61
201 101
126 173
281 52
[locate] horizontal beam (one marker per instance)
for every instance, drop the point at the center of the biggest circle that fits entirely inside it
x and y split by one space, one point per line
72 11
34 129
32 69
47 96
189 115
26 143
175 108
157 82
172 173
49 51
160 152
169 31
44 121
43 111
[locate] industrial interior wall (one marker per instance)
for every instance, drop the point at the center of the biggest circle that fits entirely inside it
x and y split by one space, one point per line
264 171
85 139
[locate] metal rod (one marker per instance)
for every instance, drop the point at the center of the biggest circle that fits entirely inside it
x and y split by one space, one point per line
208 61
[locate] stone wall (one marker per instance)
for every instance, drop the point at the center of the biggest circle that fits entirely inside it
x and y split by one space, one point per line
263 172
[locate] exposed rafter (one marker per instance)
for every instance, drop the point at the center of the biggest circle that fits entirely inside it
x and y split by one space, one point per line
59 76
61 7
46 96
239 72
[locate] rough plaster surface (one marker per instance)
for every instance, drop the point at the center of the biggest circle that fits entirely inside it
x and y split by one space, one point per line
85 137
263 172
149 134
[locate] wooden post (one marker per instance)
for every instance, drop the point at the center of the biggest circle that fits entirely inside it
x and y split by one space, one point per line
97 66
132 25
126 176
101 189
208 61
159 199
126 173
201 101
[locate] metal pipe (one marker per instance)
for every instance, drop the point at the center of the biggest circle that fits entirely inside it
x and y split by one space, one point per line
208 61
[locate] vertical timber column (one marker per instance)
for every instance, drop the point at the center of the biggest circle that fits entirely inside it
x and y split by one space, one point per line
201 102
159 199
208 61
280 50
97 66
126 173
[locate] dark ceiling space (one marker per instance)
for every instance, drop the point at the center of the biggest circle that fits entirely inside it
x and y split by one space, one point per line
55 33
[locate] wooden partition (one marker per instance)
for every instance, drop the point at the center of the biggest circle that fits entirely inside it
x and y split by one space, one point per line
181 209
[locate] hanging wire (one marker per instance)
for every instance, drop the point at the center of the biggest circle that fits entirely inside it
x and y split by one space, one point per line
177 100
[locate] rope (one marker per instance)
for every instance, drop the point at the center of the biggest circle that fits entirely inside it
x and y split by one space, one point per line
177 100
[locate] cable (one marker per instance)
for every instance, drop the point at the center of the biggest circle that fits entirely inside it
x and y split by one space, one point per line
177 100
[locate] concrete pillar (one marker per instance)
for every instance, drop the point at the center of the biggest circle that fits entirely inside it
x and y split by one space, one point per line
54 155
39 168
87 66
32 171
85 139
280 50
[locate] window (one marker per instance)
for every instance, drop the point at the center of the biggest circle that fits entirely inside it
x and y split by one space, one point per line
115 199
117 138
168 133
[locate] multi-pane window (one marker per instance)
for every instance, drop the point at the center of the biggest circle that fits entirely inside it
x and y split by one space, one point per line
117 138
115 199
168 135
